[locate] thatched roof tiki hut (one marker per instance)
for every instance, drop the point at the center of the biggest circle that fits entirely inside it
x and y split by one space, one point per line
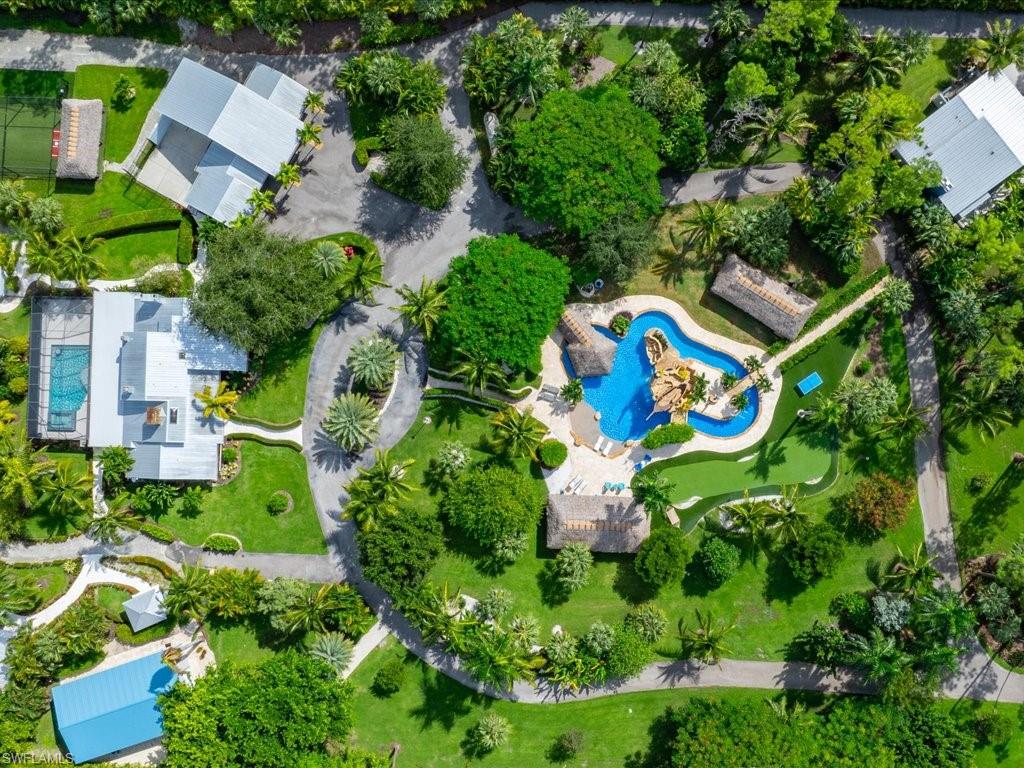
590 353
781 308
79 153
604 523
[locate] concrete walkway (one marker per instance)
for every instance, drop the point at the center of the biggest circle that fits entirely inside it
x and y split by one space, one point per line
732 183
365 646
93 572
242 429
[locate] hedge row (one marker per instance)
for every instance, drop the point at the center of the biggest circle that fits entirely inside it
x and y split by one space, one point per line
668 434
436 393
239 418
221 542
126 223
356 240
365 146
186 241
158 532
265 440
153 562
817 344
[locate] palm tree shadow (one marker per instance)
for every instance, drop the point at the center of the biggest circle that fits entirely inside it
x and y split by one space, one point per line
444 700
56 523
769 455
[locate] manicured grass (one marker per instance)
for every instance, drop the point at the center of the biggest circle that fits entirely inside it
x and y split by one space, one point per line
111 599
29 82
245 642
924 80
430 715
618 43
42 523
48 581
16 322
96 81
240 507
280 394
133 254
111 195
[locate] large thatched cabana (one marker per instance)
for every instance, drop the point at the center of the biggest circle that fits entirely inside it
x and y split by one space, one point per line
590 353
81 139
764 298
604 523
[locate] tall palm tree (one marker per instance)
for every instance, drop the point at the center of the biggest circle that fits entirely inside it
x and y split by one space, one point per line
309 136
372 360
334 649
376 492
654 491
188 595
977 407
314 103
1003 46
753 519
66 493
22 468
16 596
220 406
107 527
362 275
478 371
78 259
774 126
727 20
262 201
351 421
516 433
288 175
44 256
946 613
787 521
329 259
705 641
828 414
876 61
913 573
904 425
312 610
878 655
705 230
423 306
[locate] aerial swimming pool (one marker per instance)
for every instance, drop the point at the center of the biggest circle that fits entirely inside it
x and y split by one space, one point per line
69 385
623 397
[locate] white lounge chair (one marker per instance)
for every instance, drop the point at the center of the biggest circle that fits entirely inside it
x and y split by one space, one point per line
580 487
569 485
607 448
599 443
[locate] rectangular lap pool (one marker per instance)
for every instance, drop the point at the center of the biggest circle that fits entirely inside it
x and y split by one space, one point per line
69 385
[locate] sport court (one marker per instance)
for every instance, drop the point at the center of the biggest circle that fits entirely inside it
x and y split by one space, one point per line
29 136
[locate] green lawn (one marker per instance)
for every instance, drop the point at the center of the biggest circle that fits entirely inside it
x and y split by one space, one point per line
245 642
16 322
133 254
240 507
280 394
618 42
924 80
42 523
96 81
111 599
48 581
111 195
29 82
430 715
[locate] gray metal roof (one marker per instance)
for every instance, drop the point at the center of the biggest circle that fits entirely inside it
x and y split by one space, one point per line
238 118
145 609
277 88
977 140
81 139
224 182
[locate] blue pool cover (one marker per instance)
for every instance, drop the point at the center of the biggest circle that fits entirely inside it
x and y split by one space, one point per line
809 383
112 710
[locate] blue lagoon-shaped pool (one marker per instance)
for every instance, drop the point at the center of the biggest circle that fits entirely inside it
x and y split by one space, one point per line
623 397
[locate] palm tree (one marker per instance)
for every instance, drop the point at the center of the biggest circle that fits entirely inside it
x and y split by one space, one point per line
312 610
262 201
22 468
372 361
516 433
423 306
78 260
879 656
977 407
351 421
753 518
309 136
946 613
828 414
362 275
329 259
188 595
44 256
478 371
876 62
314 103
705 230
288 175
65 493
1003 46
706 641
653 491
107 527
911 574
16 596
787 521
902 425
773 126
728 20
573 25
376 491
334 649
219 406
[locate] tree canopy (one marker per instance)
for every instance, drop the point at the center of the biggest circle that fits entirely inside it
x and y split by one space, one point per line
504 297
260 288
586 156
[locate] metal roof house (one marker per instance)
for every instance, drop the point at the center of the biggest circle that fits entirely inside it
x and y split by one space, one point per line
104 713
247 130
145 609
148 358
976 139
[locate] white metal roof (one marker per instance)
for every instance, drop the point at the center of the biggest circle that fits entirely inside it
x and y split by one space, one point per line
277 88
145 609
977 140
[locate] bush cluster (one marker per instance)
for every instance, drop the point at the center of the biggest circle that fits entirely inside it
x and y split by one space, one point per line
552 453
668 434
719 559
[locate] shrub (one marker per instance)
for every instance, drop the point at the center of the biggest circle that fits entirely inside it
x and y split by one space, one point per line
552 453
124 93
422 161
762 235
365 146
662 558
495 604
620 324
389 678
719 559
853 612
450 460
567 746
817 553
572 392
993 728
278 503
492 731
158 532
192 500
823 644
572 566
220 542
511 507
128 223
668 434
228 455
629 654
890 612
18 386
186 246
879 502
979 483
648 621
400 550
598 640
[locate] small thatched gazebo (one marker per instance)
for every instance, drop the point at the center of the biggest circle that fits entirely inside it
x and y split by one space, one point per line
590 353
81 139
764 298
604 523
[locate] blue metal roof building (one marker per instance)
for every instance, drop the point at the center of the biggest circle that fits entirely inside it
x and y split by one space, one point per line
112 710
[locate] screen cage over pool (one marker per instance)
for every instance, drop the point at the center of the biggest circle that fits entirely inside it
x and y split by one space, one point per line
29 136
58 373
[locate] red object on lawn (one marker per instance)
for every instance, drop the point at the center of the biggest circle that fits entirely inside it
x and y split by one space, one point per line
55 143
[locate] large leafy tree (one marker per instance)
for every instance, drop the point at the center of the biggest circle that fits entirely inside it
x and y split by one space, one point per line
399 551
504 297
512 506
516 63
422 161
587 156
261 288
258 716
